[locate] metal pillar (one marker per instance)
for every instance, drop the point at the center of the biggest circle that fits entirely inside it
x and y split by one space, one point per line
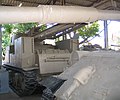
106 34
0 40
0 45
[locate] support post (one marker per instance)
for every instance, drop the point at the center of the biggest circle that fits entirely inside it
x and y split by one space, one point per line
0 45
105 34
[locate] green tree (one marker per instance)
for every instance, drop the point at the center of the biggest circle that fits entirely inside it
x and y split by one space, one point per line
88 31
7 30
23 27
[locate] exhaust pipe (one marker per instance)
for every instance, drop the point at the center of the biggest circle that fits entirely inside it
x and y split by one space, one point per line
55 14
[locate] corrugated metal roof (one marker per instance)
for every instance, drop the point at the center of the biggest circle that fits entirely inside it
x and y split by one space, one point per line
100 4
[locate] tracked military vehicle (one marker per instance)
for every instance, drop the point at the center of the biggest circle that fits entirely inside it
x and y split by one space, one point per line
54 72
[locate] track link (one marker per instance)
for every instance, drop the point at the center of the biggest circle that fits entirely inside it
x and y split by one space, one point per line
23 83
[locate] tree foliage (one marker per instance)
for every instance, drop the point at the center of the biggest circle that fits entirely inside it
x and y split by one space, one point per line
88 31
22 28
7 29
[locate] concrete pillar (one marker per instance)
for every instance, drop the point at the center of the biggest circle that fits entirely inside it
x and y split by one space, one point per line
105 34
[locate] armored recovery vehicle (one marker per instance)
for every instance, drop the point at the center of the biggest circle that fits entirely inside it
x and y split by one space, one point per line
55 73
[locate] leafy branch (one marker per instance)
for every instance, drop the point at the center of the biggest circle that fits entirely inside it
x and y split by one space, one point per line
88 31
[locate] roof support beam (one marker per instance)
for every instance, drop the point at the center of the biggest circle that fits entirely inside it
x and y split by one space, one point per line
71 30
54 1
52 31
